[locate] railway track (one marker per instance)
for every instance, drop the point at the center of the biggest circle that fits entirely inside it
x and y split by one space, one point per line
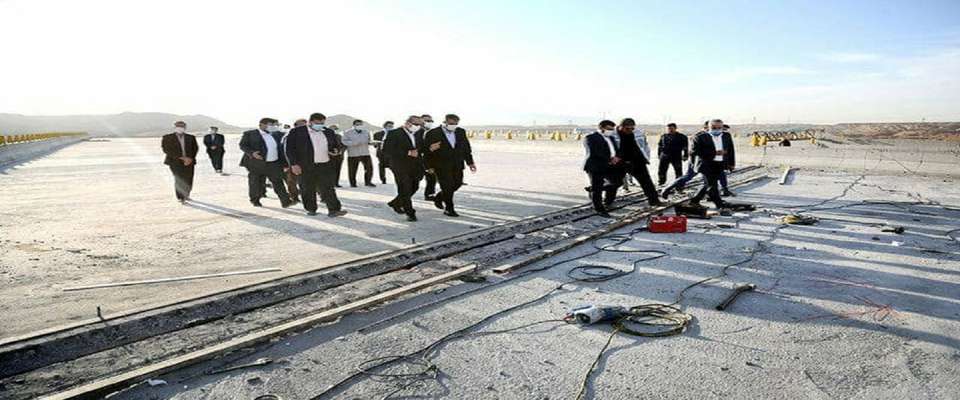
55 364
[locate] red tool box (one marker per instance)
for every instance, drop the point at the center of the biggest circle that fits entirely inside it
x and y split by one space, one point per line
668 224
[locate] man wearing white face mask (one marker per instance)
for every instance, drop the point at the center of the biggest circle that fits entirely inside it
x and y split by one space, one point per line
357 141
713 150
180 151
214 143
448 150
604 165
264 159
402 146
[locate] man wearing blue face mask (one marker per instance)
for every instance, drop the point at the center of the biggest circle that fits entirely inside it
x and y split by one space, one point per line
263 158
714 151
310 152
430 180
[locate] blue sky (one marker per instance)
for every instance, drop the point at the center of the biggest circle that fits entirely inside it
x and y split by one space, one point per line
490 61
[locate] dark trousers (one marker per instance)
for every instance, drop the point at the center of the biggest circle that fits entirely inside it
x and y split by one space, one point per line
216 158
353 163
431 186
666 162
337 166
257 181
723 179
450 181
642 175
711 171
603 189
319 179
408 182
182 180
292 184
382 166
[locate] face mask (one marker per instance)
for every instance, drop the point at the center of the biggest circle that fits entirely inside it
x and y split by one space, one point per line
358 127
715 132
272 128
413 128
451 128
388 128
179 130
606 132
428 125
317 127
212 131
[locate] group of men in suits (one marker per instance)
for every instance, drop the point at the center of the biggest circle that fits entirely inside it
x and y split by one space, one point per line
413 151
307 159
613 151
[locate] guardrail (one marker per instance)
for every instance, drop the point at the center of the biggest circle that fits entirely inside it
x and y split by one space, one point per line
529 134
6 140
760 138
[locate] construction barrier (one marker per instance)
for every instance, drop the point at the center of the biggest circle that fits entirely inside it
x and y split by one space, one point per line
6 140
760 138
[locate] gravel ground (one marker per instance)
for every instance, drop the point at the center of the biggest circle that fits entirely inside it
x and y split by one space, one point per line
842 310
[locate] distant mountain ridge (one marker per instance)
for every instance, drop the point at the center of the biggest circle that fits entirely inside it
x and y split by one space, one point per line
123 124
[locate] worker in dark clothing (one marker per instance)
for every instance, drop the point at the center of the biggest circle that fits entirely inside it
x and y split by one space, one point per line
672 150
634 160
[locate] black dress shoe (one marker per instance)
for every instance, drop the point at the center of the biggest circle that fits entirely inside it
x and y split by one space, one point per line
396 208
368 184
383 182
412 218
353 185
451 213
727 193
286 204
337 185
604 214
256 203
438 202
311 213
429 197
339 213
655 203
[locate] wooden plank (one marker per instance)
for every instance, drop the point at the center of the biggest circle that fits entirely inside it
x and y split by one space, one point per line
101 387
786 173
174 279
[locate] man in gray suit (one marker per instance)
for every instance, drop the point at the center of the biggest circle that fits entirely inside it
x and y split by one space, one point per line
357 141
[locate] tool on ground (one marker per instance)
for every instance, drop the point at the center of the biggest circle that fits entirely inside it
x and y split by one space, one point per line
258 363
733 296
667 224
691 210
894 229
739 207
798 219
592 314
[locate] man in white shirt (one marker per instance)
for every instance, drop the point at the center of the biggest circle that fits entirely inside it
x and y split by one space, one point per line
310 153
402 146
604 165
264 159
714 152
357 141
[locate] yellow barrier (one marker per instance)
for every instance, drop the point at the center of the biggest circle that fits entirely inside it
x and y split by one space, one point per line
30 137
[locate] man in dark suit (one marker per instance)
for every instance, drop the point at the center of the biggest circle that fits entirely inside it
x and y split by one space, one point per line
310 151
713 151
180 154
635 161
448 150
214 144
402 147
264 159
671 151
382 162
430 184
604 165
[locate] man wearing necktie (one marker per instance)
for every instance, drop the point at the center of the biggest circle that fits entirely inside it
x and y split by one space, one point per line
264 159
604 165
213 141
180 152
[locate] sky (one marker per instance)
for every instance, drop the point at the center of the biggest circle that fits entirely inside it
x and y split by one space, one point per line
490 61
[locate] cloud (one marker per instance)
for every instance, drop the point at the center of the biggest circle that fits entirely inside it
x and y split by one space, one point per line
850 58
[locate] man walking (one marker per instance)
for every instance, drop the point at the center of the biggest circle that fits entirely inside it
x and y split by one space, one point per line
337 159
264 159
713 150
604 166
382 162
431 180
357 141
448 150
671 151
635 158
214 144
402 147
727 165
180 153
681 182
310 151
289 179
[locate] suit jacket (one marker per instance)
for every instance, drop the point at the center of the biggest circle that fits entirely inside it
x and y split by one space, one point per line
598 154
380 135
447 157
705 151
299 147
172 151
251 142
214 139
630 149
397 144
673 145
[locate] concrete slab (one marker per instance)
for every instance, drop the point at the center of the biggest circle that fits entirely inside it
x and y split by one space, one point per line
843 310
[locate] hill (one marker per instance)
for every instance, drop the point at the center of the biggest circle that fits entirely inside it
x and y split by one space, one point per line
123 124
